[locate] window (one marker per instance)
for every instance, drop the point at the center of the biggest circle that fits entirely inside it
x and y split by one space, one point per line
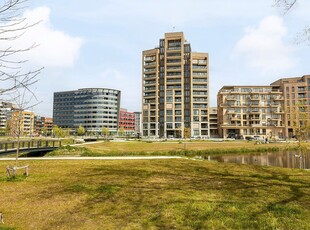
178 112
178 119
162 43
178 106
168 99
196 118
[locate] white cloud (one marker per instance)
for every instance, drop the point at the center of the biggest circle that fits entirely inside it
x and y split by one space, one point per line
56 48
264 48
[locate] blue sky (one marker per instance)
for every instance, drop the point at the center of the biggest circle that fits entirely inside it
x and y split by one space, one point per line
100 43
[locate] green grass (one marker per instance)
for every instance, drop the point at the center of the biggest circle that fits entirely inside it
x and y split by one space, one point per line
155 194
170 148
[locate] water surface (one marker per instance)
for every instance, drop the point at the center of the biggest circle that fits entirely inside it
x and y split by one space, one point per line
287 159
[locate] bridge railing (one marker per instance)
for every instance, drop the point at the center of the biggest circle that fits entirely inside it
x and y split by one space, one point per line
29 144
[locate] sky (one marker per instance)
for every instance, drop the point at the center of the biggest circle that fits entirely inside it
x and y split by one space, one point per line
99 43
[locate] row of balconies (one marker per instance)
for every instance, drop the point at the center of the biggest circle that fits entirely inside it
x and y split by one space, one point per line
249 105
250 125
239 118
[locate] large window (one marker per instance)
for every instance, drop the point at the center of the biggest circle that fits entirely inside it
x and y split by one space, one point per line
169 112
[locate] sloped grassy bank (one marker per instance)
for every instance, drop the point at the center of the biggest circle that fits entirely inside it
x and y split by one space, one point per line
84 151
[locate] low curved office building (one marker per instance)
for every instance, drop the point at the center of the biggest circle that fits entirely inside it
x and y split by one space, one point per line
92 108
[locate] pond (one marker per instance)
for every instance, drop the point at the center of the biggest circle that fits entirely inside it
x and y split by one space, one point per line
287 159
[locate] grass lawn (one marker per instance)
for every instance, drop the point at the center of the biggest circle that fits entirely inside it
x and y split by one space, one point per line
154 194
170 148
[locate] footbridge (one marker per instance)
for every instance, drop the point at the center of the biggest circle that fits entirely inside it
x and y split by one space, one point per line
29 146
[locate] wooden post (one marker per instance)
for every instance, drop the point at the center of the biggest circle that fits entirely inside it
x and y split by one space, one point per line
26 171
14 171
8 173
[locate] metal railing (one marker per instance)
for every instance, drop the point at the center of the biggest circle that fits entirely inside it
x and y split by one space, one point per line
24 145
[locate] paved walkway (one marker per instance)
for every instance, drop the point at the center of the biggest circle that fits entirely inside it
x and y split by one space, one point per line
91 158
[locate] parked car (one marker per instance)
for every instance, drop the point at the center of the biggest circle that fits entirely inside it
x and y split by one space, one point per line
259 138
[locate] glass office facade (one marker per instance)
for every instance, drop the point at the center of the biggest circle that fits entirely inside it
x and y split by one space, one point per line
92 108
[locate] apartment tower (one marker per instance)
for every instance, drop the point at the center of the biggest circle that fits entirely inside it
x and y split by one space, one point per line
175 89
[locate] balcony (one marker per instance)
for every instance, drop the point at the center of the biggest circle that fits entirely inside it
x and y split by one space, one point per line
254 111
149 95
230 98
254 118
278 98
149 58
173 61
172 74
235 118
153 88
254 105
230 125
149 64
150 83
231 111
174 49
173 68
151 70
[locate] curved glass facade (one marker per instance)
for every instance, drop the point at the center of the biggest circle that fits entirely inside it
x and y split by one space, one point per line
93 108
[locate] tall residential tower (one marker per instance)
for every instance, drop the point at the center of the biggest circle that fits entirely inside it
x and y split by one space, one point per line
175 89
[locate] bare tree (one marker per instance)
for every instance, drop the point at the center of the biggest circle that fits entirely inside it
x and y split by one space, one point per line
287 5
13 73
16 80
25 99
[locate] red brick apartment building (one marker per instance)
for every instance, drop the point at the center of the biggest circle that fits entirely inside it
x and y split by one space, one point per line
127 120
48 124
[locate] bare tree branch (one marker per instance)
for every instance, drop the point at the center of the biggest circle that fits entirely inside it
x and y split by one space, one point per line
285 4
303 36
12 67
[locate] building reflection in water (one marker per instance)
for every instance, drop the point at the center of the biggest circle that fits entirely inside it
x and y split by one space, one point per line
287 159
